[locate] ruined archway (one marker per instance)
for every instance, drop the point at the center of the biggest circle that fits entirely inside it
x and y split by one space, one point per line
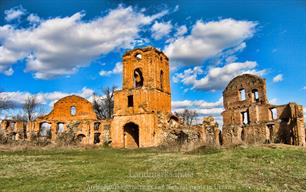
80 138
131 135
45 129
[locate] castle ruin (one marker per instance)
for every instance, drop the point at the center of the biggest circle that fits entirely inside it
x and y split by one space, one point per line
250 118
143 118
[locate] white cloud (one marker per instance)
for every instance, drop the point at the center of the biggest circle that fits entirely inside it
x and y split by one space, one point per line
161 29
14 13
116 70
208 40
182 30
278 78
196 103
32 18
304 87
60 46
216 77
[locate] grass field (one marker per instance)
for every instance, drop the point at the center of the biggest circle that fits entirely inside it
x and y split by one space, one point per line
256 168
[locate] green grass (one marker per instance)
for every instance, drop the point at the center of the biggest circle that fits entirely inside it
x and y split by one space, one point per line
256 168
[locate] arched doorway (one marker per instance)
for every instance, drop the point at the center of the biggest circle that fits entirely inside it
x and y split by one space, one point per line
131 135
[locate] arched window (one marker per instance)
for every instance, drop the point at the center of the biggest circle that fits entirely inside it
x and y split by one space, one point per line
73 110
45 130
138 56
138 78
60 127
161 79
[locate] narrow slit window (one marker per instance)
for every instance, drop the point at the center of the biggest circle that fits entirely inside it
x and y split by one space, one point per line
242 94
161 80
130 101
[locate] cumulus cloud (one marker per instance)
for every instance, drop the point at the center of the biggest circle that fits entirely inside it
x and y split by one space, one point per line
304 87
217 77
45 98
14 13
116 70
208 40
32 18
161 29
61 45
278 78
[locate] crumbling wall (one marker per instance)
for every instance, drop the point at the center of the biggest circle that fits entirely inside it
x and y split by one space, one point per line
174 132
60 120
14 129
249 118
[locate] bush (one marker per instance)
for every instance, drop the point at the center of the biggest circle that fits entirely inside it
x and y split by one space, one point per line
69 137
3 137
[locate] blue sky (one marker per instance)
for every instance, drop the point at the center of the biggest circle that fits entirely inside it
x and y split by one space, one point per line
55 48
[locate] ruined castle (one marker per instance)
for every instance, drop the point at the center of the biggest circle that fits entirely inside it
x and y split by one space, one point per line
142 113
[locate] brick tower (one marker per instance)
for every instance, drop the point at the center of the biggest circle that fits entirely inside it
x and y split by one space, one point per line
145 92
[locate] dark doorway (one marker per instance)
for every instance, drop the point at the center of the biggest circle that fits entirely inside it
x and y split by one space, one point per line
80 138
182 138
242 135
270 133
97 138
131 135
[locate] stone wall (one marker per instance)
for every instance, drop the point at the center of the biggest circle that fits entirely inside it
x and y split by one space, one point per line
250 118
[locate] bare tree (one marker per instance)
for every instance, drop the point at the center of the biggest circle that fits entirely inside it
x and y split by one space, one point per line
30 105
188 116
5 103
104 105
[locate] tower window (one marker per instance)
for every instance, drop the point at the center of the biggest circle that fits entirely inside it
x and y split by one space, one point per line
130 101
161 80
255 95
245 117
138 78
242 94
73 110
138 56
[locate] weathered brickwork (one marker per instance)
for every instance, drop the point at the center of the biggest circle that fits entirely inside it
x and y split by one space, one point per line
68 112
142 113
250 118
145 93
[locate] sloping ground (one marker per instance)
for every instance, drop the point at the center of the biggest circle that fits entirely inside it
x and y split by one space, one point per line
256 168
